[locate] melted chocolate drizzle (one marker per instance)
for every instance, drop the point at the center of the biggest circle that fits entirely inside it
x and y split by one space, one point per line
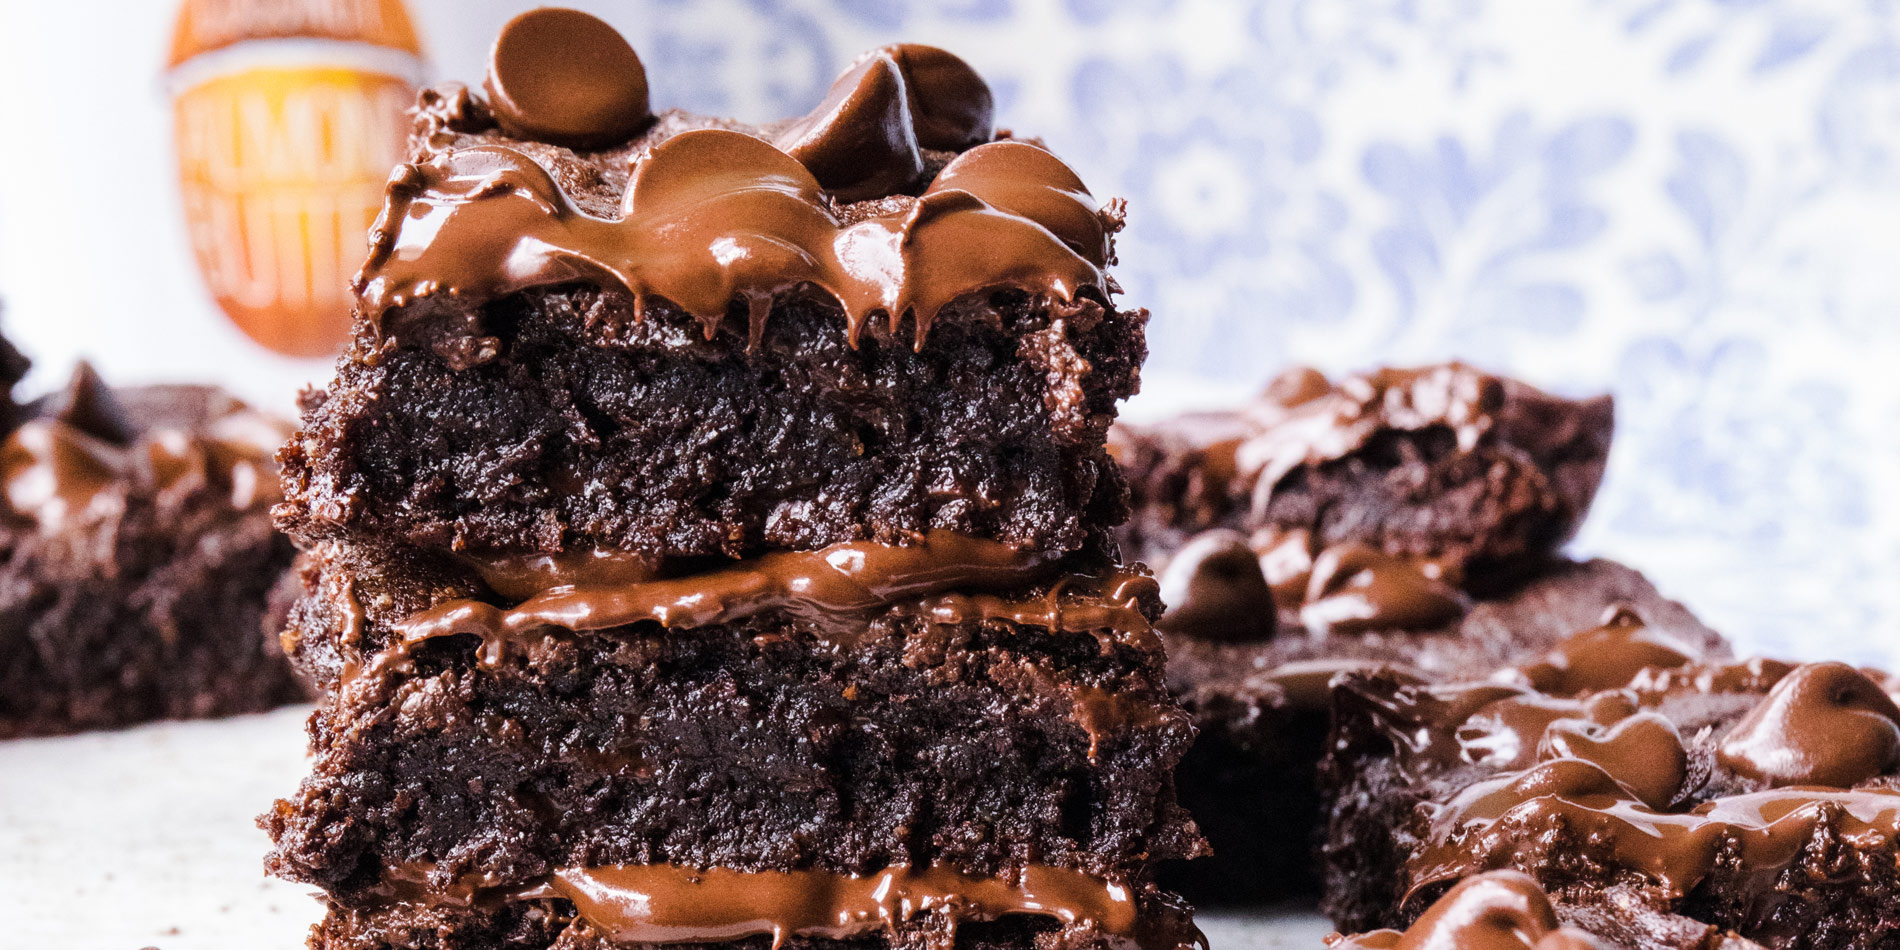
666 903
835 590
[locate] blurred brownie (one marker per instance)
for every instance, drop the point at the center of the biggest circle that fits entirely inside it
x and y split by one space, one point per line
1484 475
1507 910
1637 781
1400 516
136 554
13 366
706 538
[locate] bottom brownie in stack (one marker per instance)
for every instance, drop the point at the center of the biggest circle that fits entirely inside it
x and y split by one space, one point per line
905 746
1667 798
136 558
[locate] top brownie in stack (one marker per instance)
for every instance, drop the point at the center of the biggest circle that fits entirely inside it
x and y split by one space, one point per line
1332 526
707 534
674 338
1673 800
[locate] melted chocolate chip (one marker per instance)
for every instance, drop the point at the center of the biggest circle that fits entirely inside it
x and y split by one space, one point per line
1356 587
1214 590
1643 753
860 142
87 404
950 104
566 78
1823 724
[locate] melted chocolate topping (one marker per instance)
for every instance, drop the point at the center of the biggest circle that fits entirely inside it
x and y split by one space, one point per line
714 216
567 78
664 903
1307 422
84 453
1356 587
1608 656
1499 910
834 590
1615 774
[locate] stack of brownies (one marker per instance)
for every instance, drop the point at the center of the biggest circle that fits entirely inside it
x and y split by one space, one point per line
707 534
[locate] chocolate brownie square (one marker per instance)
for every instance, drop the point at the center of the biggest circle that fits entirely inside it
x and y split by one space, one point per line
136 555
1400 516
706 538
1635 780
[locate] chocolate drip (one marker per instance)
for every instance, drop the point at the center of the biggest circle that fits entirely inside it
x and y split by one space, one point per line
1823 724
85 453
714 215
664 903
1499 910
834 590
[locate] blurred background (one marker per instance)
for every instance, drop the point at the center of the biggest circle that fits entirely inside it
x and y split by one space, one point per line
1694 204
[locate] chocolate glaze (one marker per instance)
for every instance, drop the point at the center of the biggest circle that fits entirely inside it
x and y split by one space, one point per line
564 77
1609 771
663 903
1498 910
84 453
943 578
1823 724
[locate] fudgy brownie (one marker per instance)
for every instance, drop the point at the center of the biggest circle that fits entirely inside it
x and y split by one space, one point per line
1335 526
1485 476
136 553
1636 780
1507 910
1262 706
699 337
706 539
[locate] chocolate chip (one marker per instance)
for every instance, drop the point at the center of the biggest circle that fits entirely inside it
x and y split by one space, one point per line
1213 589
87 404
859 143
566 78
951 106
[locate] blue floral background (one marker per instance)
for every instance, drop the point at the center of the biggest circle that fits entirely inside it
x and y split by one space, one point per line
1694 204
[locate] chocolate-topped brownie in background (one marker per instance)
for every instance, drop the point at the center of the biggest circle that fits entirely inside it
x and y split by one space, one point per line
1400 516
1658 792
1481 474
136 555
707 535
1507 910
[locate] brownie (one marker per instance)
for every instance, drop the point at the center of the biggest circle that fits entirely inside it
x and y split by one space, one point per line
1262 707
136 554
1507 910
13 366
1398 516
706 538
1638 781
584 356
1484 474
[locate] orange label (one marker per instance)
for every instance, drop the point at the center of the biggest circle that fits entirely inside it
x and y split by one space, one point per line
282 172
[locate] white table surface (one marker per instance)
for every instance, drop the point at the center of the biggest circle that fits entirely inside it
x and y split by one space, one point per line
146 837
